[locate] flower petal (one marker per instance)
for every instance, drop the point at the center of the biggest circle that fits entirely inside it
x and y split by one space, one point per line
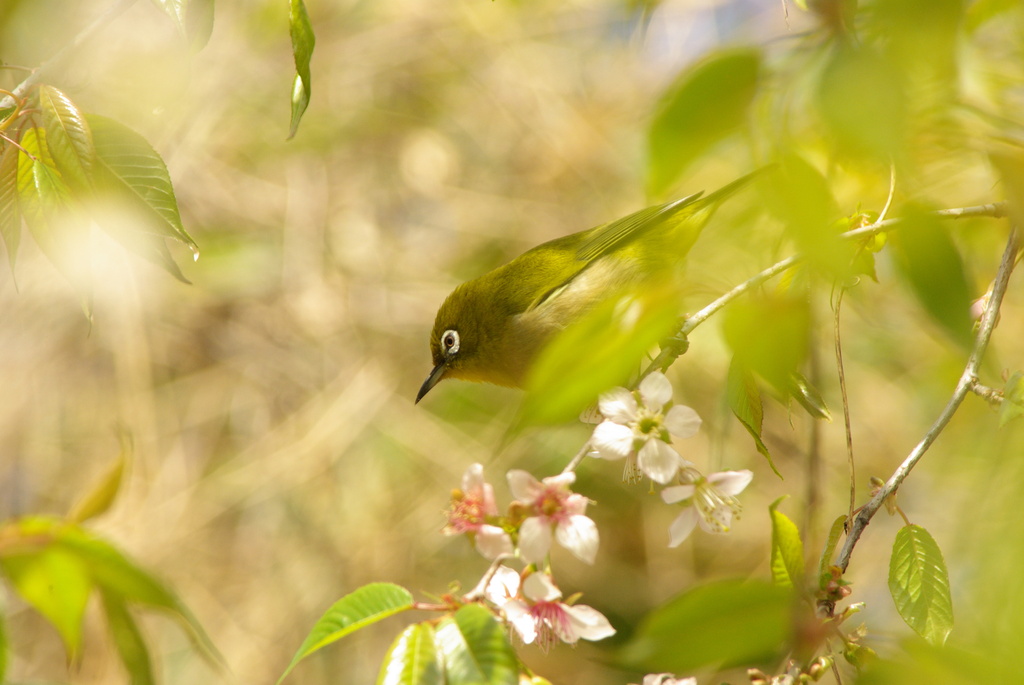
518 614
492 542
731 482
575 504
578 534
538 587
612 440
677 493
503 586
534 540
656 391
490 507
717 519
682 526
562 481
588 623
682 421
473 478
658 461
618 405
523 485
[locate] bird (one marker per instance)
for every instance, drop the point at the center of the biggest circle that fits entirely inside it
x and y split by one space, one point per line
491 328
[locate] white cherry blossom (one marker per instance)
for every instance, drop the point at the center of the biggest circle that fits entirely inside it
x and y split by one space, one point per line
710 501
638 426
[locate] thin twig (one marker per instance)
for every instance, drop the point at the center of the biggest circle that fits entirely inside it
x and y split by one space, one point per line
967 380
990 395
846 406
668 355
76 42
571 466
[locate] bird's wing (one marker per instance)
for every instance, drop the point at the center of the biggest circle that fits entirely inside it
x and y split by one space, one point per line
604 239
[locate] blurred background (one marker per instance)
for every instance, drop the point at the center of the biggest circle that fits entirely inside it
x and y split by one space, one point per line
279 462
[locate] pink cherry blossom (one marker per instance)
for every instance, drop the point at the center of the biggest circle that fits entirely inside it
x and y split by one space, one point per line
553 508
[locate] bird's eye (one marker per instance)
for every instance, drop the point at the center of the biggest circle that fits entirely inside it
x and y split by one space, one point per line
450 341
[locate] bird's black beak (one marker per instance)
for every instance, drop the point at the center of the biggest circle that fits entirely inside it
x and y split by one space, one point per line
433 379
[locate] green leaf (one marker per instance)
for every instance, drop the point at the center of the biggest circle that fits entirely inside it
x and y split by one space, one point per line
176 10
128 639
87 561
919 584
413 659
356 610
787 548
303 41
475 648
1013 399
708 102
101 497
10 214
53 220
931 264
981 11
192 18
838 526
115 573
68 137
745 401
199 23
861 100
56 584
800 196
808 396
138 173
595 353
715 626
3 650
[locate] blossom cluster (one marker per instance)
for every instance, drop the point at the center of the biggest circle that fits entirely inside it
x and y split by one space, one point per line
542 512
638 426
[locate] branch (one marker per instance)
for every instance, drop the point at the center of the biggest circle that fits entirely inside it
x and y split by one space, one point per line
670 353
968 380
75 43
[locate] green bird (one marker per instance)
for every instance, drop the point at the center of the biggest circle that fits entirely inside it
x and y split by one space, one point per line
491 328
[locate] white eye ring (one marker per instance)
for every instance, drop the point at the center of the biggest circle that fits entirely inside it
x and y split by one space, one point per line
450 342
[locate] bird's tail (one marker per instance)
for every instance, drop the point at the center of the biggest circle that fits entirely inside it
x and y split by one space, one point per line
693 216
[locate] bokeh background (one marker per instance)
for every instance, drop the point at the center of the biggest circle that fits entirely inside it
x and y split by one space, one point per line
279 461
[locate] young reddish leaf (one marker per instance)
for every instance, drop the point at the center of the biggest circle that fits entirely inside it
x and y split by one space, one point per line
68 137
356 610
413 659
303 42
